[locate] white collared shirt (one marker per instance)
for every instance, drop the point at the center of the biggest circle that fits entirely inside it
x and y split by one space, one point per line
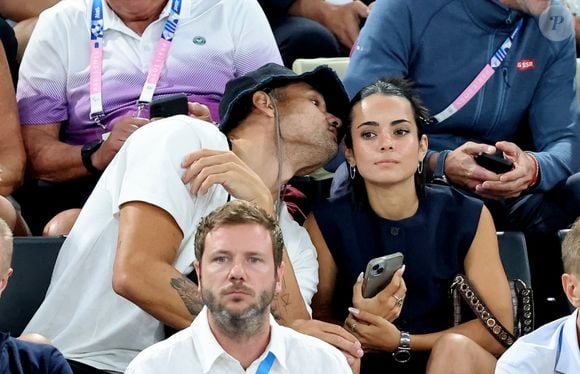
553 348
196 350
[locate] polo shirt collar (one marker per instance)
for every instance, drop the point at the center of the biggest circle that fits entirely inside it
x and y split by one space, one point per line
112 21
569 350
209 350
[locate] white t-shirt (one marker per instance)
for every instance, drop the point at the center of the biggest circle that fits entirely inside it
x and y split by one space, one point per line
81 314
196 350
215 41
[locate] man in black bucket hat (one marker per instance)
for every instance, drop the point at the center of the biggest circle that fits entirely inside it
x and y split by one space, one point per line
121 273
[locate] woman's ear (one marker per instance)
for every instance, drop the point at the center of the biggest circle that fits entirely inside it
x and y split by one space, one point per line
263 102
423 146
349 155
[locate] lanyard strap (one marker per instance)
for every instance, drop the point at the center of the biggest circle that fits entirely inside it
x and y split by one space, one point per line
481 79
266 364
155 68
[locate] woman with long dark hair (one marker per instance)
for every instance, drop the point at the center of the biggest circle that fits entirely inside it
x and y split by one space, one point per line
440 232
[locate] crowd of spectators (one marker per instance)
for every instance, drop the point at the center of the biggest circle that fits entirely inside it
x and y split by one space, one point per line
431 86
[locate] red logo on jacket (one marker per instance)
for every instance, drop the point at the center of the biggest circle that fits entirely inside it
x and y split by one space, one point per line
529 64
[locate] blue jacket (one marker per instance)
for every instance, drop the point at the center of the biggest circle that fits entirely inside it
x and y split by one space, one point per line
20 357
443 44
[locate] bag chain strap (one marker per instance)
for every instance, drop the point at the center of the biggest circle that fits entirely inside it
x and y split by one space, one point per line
491 323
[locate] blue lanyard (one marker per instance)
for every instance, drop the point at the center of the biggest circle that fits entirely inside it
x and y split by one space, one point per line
266 364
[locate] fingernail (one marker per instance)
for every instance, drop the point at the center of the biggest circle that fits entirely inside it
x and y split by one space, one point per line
354 311
360 353
360 277
490 149
403 269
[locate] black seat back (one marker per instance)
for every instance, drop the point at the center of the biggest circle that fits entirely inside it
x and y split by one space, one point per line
514 255
33 260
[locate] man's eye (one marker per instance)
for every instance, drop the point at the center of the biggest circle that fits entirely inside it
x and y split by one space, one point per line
220 259
315 102
255 260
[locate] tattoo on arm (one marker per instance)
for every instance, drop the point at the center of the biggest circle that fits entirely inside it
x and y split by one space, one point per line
280 304
188 292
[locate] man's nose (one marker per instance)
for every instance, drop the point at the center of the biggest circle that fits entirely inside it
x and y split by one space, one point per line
333 120
237 271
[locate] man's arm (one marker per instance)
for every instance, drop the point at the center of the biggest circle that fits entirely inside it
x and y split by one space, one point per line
20 10
384 46
12 157
342 20
52 160
143 273
554 118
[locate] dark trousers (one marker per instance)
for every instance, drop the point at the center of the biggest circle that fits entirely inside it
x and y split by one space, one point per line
79 368
40 200
299 37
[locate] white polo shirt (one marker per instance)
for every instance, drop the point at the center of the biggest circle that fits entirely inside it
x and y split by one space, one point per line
81 314
196 350
215 41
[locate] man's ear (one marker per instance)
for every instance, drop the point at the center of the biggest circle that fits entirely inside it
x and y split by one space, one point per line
263 102
4 280
197 267
571 288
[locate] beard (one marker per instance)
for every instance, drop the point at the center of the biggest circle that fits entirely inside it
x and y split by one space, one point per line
237 324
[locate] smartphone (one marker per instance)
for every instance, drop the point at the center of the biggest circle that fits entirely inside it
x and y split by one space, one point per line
379 273
494 162
168 106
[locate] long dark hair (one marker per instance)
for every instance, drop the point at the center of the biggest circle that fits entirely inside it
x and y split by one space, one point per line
389 86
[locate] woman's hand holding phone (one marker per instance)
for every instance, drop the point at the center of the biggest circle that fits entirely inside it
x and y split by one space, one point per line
383 304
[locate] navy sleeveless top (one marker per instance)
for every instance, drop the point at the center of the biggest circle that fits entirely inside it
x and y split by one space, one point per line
434 242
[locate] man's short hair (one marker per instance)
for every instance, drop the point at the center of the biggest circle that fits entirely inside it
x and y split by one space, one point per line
239 212
5 246
571 250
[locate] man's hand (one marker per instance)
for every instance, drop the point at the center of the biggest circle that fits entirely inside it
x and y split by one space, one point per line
332 334
205 168
342 20
515 181
122 130
384 304
462 170
199 111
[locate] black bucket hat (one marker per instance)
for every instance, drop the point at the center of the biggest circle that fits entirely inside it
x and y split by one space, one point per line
238 93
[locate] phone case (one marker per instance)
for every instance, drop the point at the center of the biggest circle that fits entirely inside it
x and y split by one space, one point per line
494 162
169 106
379 273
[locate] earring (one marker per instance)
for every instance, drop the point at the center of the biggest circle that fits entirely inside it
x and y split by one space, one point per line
420 167
352 171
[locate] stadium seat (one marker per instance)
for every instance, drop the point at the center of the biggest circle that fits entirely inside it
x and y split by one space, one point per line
33 260
562 235
339 64
514 255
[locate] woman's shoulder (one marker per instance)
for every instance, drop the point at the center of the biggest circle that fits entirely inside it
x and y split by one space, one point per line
450 197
